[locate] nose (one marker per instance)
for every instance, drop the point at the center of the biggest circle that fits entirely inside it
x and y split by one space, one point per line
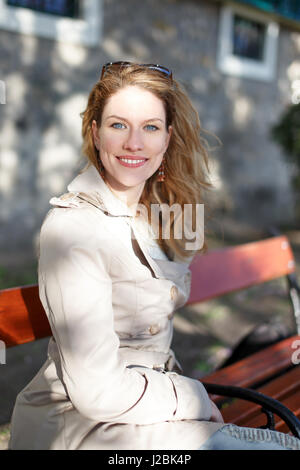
134 141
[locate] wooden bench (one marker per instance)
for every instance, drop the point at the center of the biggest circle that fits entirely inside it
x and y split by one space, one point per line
270 371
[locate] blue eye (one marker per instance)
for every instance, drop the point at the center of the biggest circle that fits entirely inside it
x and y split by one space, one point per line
118 125
151 127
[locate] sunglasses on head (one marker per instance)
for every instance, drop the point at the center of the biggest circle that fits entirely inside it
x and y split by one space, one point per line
120 65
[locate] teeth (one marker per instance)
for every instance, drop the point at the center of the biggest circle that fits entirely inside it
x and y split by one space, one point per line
126 160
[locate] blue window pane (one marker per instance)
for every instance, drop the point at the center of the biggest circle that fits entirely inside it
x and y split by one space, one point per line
68 8
248 38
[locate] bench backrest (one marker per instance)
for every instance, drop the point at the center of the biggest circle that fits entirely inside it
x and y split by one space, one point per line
22 316
23 319
232 268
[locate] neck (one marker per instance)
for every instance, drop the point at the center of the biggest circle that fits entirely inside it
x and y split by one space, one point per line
129 195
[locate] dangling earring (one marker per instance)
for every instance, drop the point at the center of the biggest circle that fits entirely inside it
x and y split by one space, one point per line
161 172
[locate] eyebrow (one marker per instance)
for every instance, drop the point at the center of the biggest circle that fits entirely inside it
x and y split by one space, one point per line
124 119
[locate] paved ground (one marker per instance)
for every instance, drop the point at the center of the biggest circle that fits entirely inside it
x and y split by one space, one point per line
204 334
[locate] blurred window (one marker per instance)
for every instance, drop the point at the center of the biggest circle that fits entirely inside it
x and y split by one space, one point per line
54 7
248 38
247 43
71 21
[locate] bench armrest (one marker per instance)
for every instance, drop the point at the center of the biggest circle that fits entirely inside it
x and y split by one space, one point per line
269 405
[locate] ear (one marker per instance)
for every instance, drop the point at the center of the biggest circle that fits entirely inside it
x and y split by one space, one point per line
95 132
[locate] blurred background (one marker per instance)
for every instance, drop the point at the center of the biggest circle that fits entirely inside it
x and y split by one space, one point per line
239 61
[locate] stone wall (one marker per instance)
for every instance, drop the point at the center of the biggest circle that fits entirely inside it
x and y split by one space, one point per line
47 84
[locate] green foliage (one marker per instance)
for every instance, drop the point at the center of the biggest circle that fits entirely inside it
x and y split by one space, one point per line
203 366
287 134
24 276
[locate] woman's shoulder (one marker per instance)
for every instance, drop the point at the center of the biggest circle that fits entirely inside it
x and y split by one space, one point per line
72 217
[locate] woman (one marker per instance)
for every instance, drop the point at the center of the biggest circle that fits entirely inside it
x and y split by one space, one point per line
109 284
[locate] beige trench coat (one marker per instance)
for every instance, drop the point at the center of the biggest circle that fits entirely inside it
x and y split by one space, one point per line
108 382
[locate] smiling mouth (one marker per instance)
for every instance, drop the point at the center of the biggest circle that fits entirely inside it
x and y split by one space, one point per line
132 162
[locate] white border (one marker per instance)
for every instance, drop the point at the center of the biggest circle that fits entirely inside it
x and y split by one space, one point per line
84 31
2 92
242 67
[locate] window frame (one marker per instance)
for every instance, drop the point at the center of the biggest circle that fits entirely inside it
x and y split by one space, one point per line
231 64
84 31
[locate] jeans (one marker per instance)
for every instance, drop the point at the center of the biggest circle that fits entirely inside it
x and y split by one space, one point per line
232 437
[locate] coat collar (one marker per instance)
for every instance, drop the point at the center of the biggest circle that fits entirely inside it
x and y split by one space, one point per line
91 183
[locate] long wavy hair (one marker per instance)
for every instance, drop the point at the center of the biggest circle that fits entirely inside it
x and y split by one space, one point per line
185 161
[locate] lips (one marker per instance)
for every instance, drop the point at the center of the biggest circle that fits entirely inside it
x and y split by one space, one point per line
132 162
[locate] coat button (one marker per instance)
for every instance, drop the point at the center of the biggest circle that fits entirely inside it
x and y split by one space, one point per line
174 292
154 329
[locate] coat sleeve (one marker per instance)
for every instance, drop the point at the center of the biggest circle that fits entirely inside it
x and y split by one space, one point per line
76 292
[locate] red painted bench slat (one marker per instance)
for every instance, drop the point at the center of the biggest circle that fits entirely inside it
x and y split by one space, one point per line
291 402
257 367
22 316
222 271
240 412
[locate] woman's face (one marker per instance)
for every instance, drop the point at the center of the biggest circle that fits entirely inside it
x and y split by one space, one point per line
132 138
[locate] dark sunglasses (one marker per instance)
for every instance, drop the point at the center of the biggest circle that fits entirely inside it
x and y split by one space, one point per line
118 65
